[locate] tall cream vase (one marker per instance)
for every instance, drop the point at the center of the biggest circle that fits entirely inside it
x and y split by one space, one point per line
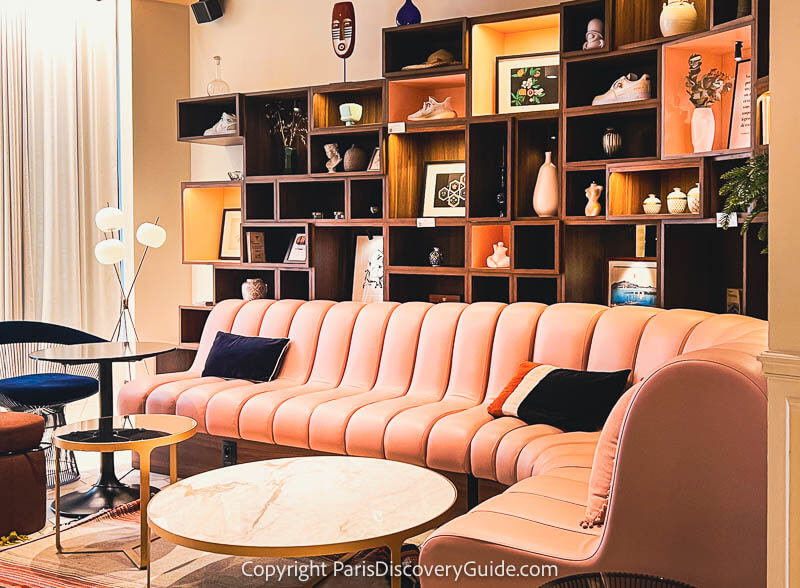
545 194
704 127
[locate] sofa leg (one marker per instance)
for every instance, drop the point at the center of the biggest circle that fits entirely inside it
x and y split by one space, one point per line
472 491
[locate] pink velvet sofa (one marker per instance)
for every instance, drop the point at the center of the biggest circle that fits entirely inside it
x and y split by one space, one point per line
680 467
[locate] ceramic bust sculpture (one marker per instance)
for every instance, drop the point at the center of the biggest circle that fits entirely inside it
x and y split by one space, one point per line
594 35
500 256
593 193
334 159
545 194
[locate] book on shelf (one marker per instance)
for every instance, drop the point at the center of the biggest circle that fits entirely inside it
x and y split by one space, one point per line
255 247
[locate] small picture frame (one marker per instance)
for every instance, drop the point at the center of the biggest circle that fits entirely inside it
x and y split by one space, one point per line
741 107
527 83
230 238
633 281
368 277
297 252
375 160
445 189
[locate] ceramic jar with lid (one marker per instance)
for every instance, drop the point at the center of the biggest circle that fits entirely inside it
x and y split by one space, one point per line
693 199
676 201
652 204
678 17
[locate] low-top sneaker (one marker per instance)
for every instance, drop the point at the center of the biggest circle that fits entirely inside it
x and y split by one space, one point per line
433 110
226 125
626 89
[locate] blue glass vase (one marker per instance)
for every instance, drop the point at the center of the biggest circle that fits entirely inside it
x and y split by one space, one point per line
408 14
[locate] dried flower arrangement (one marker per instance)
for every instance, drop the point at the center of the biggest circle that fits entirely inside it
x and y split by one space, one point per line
707 90
289 122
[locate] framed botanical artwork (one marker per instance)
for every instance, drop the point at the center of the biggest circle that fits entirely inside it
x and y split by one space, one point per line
230 238
375 160
741 107
527 83
633 282
298 249
445 189
368 269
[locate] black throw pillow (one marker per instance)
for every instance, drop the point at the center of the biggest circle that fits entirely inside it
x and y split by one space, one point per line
571 400
245 358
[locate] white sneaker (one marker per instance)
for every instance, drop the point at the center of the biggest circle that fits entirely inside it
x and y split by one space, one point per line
225 125
626 89
433 110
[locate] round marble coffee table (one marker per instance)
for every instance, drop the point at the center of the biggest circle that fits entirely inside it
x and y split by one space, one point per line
302 507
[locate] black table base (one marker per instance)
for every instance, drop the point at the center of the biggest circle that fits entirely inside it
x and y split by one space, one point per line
77 505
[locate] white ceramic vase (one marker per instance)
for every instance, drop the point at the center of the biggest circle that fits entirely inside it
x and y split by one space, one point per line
678 17
545 194
703 129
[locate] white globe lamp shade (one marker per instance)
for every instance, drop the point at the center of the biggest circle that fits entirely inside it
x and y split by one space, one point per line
151 235
109 219
109 251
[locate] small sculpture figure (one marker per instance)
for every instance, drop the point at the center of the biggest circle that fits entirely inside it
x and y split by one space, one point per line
593 193
594 35
334 159
500 256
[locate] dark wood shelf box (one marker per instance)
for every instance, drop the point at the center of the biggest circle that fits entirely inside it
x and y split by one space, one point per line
404 287
727 11
365 194
486 288
534 137
228 281
507 34
639 130
410 246
637 21
407 155
326 101
536 246
334 259
762 39
367 140
629 185
296 284
411 45
574 184
575 17
489 168
407 95
277 240
264 150
544 289
588 77
482 237
259 201
755 274
195 115
203 204
297 200
192 319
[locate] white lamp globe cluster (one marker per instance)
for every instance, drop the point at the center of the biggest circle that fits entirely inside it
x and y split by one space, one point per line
111 250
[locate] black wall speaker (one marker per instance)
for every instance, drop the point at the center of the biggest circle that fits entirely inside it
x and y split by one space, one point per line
207 10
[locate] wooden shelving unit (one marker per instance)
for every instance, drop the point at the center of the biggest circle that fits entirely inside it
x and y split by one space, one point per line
562 258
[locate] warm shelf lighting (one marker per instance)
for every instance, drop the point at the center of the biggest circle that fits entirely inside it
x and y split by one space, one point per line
737 52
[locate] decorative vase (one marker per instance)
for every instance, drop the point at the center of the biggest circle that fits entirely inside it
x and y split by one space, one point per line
289 159
703 129
435 257
408 14
545 194
254 289
612 142
593 193
693 199
355 159
652 204
678 17
499 258
350 113
676 201
217 86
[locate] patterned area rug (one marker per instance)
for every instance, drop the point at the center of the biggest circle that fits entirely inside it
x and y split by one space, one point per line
36 563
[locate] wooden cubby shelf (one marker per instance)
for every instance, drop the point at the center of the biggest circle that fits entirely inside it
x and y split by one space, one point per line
563 258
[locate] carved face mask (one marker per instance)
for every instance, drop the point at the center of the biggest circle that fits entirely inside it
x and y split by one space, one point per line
343 29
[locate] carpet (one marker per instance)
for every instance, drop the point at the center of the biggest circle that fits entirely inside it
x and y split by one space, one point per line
36 563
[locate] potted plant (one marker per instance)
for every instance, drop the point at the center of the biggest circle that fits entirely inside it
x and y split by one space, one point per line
746 190
704 92
289 123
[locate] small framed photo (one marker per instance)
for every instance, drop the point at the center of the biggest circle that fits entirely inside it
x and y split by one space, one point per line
297 252
527 83
445 189
741 107
368 269
375 161
633 282
230 238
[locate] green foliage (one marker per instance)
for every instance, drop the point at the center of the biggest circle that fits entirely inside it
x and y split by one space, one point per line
745 190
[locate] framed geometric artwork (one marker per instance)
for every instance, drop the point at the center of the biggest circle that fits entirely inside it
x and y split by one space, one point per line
527 83
445 189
